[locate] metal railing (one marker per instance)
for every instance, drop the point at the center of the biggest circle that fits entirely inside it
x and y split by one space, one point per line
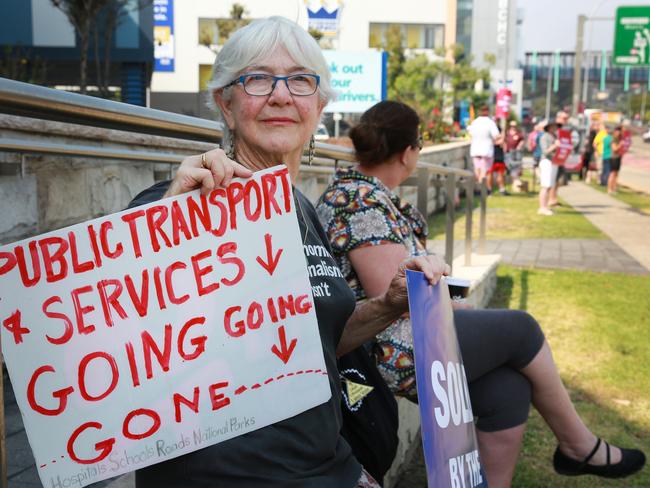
38 102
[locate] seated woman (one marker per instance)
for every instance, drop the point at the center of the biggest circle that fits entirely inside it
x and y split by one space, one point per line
507 359
270 84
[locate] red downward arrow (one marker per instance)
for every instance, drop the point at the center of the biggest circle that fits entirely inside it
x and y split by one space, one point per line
271 260
283 352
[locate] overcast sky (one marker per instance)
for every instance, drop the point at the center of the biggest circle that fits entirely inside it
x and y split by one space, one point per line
551 24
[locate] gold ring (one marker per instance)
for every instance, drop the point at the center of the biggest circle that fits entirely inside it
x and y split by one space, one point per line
204 161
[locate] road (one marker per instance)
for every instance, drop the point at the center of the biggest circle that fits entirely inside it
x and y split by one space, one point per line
635 169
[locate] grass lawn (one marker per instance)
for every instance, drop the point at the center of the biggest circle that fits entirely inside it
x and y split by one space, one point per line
515 217
635 199
598 326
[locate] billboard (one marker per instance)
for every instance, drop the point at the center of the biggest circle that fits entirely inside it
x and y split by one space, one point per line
163 34
359 79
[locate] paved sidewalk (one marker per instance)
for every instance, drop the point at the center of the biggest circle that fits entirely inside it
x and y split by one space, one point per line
626 226
600 255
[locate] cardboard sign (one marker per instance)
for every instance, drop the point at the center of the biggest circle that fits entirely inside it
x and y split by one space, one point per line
145 335
448 435
563 152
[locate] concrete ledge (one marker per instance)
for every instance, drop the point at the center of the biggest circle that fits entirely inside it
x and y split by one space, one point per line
483 277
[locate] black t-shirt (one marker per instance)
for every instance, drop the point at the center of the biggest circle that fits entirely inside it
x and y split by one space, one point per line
303 451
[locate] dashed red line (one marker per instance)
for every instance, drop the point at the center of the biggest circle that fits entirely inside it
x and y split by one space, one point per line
240 390
268 381
256 386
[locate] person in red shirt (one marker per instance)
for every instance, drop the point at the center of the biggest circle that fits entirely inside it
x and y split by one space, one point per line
514 142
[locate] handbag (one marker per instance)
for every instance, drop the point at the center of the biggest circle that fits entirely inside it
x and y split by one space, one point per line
370 417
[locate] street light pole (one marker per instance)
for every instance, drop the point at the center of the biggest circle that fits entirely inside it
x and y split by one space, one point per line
577 64
548 93
504 123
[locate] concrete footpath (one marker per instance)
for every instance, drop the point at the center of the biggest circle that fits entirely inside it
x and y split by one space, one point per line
624 225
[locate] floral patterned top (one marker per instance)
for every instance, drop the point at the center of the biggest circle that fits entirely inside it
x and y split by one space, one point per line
358 210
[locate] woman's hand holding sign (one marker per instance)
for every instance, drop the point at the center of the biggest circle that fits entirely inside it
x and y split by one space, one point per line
206 171
374 315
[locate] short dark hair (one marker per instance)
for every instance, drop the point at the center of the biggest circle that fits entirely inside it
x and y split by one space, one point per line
385 129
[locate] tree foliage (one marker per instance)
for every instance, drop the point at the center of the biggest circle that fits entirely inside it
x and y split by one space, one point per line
431 86
81 14
99 19
224 28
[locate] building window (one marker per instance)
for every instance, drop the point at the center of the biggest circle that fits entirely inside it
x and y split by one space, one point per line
415 36
215 32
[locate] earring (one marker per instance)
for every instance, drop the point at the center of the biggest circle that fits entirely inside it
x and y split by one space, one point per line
310 156
231 145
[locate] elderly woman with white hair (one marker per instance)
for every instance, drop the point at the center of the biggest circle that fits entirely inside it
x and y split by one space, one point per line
270 84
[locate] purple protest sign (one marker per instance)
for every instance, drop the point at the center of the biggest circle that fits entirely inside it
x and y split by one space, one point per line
448 435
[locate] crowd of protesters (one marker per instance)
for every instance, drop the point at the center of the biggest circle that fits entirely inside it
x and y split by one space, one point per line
495 155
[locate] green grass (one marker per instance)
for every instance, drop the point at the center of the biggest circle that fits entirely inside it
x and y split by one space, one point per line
515 217
635 199
598 326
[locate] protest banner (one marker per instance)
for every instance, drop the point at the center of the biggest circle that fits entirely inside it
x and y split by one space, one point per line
563 152
448 435
150 333
504 97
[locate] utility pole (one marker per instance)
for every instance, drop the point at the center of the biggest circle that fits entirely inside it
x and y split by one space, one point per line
577 64
548 93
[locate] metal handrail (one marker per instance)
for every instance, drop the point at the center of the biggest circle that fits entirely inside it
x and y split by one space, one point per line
46 103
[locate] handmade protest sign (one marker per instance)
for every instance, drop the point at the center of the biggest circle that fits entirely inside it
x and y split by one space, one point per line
144 335
566 146
448 435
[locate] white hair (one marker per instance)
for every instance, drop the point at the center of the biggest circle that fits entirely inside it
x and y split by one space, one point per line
257 41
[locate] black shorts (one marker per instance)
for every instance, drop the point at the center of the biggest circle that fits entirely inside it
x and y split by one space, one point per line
615 164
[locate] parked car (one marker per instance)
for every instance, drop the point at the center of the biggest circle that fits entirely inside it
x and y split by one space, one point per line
321 133
646 136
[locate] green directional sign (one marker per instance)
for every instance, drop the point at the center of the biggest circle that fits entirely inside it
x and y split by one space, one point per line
632 36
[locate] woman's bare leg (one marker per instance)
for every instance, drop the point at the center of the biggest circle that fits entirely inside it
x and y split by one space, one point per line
553 403
499 452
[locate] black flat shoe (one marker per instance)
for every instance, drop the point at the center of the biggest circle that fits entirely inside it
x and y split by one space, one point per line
632 460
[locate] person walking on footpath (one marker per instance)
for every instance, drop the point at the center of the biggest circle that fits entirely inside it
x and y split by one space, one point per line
588 155
618 149
514 143
548 144
561 119
498 167
606 151
484 133
598 148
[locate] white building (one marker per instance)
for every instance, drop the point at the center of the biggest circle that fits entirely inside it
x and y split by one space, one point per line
426 24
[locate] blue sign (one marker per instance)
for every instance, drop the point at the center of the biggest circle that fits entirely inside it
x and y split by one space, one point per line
448 435
163 35
359 79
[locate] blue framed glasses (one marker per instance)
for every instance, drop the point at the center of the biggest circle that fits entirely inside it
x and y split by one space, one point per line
261 84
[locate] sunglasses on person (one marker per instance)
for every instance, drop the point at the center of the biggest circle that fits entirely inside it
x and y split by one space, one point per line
419 142
261 84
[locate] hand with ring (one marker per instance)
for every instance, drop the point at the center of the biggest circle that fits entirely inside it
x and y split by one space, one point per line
206 171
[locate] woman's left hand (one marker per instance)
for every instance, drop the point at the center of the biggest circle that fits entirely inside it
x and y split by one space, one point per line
433 267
